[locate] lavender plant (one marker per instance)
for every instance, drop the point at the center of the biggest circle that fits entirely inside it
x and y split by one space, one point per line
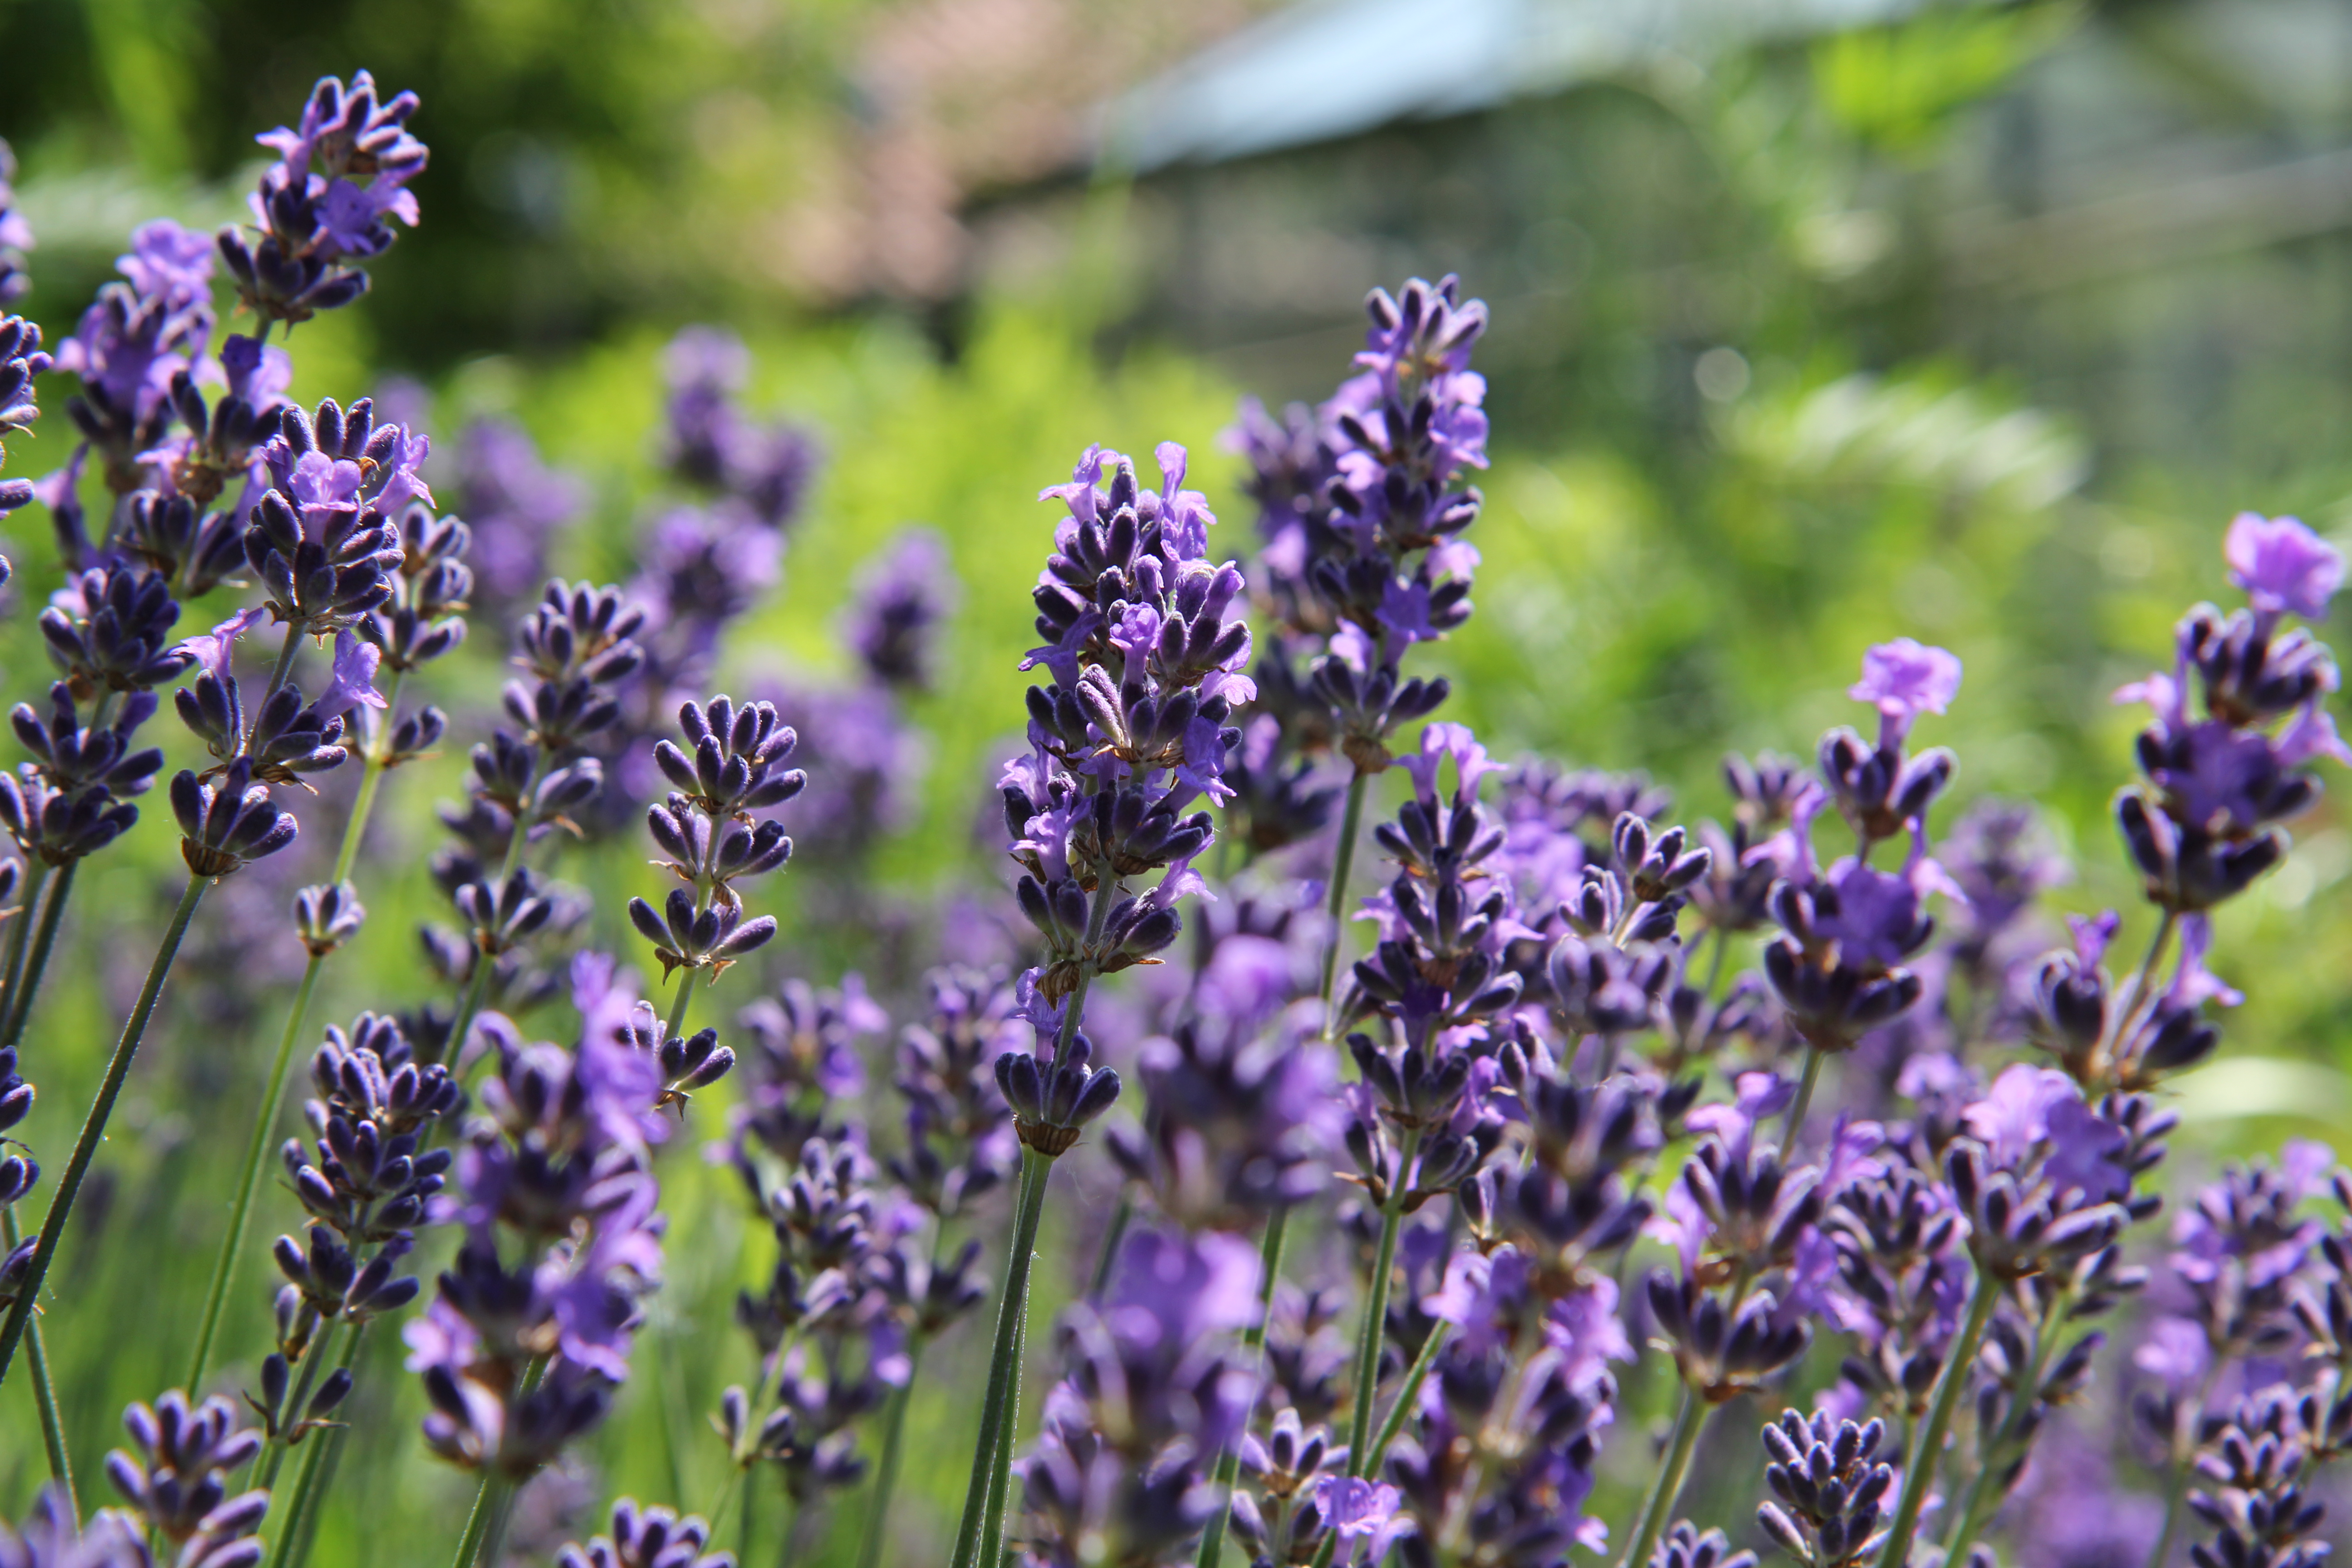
1611 1115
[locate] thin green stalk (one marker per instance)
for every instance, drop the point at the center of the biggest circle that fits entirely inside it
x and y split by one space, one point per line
1976 1507
303 1503
674 1029
20 937
1229 1458
45 1391
1351 822
28 986
286 652
1814 1056
1690 1420
1376 1312
886 1471
2176 1476
257 1150
1919 1471
93 1126
1000 1482
273 1455
1408 1396
477 989
478 1522
1108 1257
373 768
1012 1312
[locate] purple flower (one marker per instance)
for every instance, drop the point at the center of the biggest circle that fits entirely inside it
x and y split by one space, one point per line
2014 1114
1171 1291
352 683
2175 1352
900 597
1440 742
1364 1514
2284 566
1903 679
213 649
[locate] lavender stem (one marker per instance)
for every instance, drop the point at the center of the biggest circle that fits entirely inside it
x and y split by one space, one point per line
265 1123
886 1471
1975 1506
1343 858
28 987
45 1392
1376 1312
1690 1421
1918 1473
2176 1475
299 1505
93 1128
274 1093
1795 1125
1002 1372
20 937
1229 1458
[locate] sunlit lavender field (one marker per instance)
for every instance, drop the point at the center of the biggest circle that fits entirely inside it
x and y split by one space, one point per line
774 999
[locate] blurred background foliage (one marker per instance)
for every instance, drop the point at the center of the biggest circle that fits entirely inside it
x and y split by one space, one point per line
1973 322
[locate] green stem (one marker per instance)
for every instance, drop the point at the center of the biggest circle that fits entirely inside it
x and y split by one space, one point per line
1918 1474
93 1126
372 767
1814 1056
478 987
1108 1257
2176 1476
673 1028
273 1456
477 1523
28 986
45 1392
1373 1332
1000 1482
257 1150
286 652
304 1500
1351 822
20 937
1229 1458
1977 1503
1690 1421
1003 1372
1407 1397
885 1471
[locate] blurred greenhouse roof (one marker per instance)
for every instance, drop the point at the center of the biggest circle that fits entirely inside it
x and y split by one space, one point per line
1329 68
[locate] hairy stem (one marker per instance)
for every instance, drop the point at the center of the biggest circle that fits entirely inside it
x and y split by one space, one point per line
1919 1470
1690 1421
1351 822
45 1392
37 964
1003 1371
93 1126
